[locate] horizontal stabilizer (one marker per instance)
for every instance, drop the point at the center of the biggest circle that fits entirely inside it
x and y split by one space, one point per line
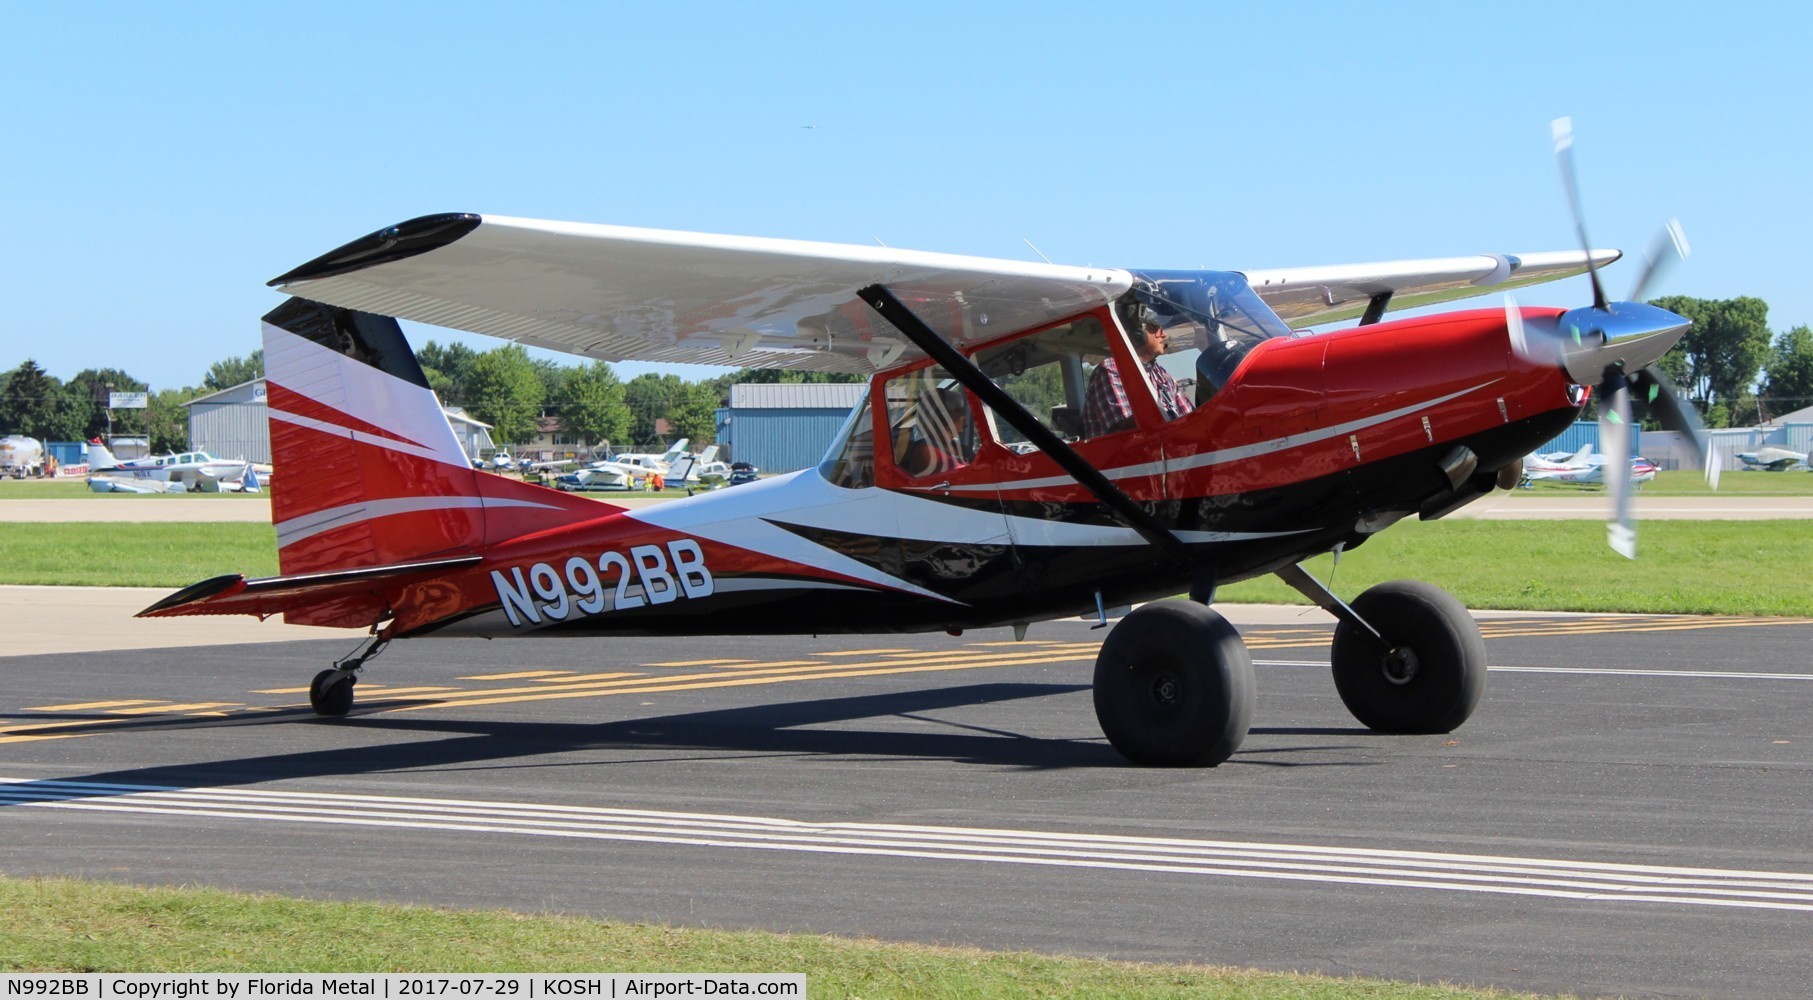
352 598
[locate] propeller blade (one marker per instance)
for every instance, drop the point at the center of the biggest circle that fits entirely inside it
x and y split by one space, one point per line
1520 344
1673 410
1562 131
1614 442
1669 246
1713 466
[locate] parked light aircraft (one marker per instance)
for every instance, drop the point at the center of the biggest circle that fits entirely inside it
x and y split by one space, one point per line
1584 466
1771 459
924 514
645 462
699 471
192 469
622 471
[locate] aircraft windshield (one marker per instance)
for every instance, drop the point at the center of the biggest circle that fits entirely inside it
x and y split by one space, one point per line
1213 319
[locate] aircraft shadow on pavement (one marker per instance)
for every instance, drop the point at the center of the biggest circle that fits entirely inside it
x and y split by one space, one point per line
784 729
768 730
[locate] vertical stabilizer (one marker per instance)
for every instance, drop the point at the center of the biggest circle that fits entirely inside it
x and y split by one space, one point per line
373 474
99 458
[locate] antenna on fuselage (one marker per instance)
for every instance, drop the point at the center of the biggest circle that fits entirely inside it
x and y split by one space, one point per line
1036 250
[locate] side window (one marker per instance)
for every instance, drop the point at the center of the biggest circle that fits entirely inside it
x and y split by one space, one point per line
1061 376
850 462
932 428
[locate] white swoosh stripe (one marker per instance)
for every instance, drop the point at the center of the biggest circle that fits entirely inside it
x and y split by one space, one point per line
362 437
1208 458
309 525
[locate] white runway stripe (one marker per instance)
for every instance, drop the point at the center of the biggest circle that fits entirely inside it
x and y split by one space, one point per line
1736 675
1562 879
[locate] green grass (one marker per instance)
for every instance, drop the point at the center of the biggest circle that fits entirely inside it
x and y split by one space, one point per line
133 554
1682 567
63 925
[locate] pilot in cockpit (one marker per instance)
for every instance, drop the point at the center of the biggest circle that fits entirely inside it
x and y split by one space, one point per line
1106 408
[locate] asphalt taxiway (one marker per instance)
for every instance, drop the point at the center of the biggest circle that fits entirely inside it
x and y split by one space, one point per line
1627 812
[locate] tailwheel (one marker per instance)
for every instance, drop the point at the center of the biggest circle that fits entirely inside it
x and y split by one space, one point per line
1428 675
1174 686
331 692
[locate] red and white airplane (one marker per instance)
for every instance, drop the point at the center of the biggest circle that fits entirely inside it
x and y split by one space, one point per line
1584 466
992 475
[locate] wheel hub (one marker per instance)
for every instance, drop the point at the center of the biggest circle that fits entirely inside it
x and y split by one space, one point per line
1167 690
1399 665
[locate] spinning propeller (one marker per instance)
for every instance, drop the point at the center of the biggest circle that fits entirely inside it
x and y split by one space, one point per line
1612 345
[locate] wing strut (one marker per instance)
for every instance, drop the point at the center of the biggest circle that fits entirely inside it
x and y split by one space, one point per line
1125 508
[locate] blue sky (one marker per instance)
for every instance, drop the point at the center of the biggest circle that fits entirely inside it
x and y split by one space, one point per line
164 160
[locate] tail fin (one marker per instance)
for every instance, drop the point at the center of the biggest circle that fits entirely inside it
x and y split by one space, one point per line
99 458
360 437
674 451
373 473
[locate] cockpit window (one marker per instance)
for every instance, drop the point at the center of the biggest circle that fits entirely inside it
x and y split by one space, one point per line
1049 373
1212 319
929 418
850 461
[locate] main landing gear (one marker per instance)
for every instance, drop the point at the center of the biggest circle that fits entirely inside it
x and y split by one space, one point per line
1174 682
1174 686
331 692
1425 675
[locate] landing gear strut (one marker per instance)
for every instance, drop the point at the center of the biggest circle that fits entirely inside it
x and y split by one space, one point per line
1407 656
331 692
1174 686
1427 675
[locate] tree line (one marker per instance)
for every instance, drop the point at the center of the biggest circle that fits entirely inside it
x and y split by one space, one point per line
503 387
1734 369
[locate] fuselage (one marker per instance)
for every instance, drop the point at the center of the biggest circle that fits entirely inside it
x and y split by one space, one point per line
1311 442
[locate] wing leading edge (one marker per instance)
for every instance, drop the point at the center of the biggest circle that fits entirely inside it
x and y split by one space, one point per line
618 293
1306 296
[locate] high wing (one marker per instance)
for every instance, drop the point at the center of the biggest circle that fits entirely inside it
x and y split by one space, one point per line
618 293
1306 296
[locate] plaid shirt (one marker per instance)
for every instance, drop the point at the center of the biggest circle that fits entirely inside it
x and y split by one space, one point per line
1105 405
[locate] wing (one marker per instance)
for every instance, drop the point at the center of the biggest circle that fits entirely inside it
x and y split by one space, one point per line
1306 296
617 293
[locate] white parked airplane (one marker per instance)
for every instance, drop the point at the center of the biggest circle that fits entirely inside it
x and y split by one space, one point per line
1771 459
623 471
193 469
1583 466
703 471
